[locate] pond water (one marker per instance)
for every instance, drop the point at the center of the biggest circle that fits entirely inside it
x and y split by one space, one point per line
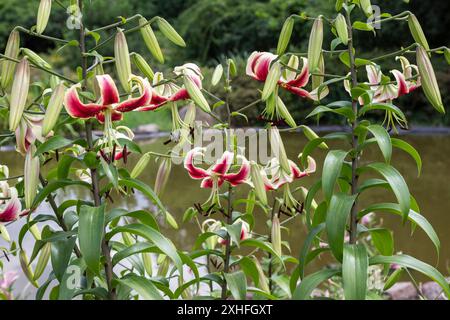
431 189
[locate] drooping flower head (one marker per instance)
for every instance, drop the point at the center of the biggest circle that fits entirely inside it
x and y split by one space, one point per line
28 131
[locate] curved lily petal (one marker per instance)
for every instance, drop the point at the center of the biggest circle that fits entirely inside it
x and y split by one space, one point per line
297 91
11 210
258 65
303 78
402 86
144 99
194 172
77 109
115 116
239 177
224 163
208 183
373 74
108 90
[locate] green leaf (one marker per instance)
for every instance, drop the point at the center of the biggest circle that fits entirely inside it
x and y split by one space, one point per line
60 255
306 246
413 263
337 215
57 142
310 282
405 146
331 171
384 107
90 235
397 183
144 287
237 284
64 165
355 266
393 278
145 189
234 232
71 280
358 25
383 240
55 185
138 247
266 246
383 139
164 244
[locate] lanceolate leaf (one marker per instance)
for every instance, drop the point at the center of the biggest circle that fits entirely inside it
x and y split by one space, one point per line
60 255
383 240
383 140
405 146
354 271
397 183
237 284
337 215
57 142
413 263
144 287
309 283
306 246
331 171
90 234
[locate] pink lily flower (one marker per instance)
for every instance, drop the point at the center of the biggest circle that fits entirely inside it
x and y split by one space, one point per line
190 70
7 280
10 209
274 176
258 66
218 173
28 131
385 91
108 108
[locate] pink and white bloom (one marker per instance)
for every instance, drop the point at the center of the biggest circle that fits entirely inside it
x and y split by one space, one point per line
275 177
109 107
382 86
28 131
11 208
258 66
217 174
190 70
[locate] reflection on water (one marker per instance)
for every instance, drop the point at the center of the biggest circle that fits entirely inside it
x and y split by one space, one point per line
431 190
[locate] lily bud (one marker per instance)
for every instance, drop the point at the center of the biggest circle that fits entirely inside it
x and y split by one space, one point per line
123 64
276 235
54 81
217 75
148 263
315 44
31 176
196 94
271 81
11 51
4 172
44 257
143 66
53 109
293 63
417 31
164 265
35 58
189 117
284 113
341 28
140 166
366 7
163 175
263 281
258 182
311 135
170 33
19 93
4 233
278 148
26 268
150 40
285 35
304 193
428 79
233 69
447 55
250 204
45 7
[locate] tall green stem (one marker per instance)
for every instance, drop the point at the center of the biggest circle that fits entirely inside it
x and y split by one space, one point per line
355 155
94 175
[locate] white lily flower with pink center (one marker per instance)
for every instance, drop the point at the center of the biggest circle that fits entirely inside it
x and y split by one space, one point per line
217 174
10 207
274 176
382 86
258 66
28 131
190 70
109 107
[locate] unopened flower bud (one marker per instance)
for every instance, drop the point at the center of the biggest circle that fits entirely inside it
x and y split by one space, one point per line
148 263
272 80
341 28
11 51
122 57
285 35
26 268
447 55
315 44
233 69
217 75
311 135
163 175
150 40
263 281
428 79
44 257
53 109
170 33
31 177
196 94
140 166
284 113
143 66
417 32
276 235
54 81
258 182
366 7
189 117
45 7
19 93
250 203
293 63
278 148
4 172
35 58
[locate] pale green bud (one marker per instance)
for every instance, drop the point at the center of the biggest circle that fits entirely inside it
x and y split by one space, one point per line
276 235
11 51
285 35
122 57
54 108
143 66
341 28
45 7
35 58
140 166
217 75
258 182
272 81
196 94
31 177
315 44
19 93
150 40
170 33
417 32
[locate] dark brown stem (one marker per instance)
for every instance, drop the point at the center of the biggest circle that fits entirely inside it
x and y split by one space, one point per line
226 267
355 156
94 175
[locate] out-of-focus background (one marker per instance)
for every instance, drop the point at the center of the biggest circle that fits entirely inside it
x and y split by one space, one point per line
215 29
